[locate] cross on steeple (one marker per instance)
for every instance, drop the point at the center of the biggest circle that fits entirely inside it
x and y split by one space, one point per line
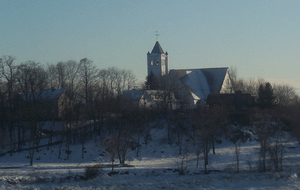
156 34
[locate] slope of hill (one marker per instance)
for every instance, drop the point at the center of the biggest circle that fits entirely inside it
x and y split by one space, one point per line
155 168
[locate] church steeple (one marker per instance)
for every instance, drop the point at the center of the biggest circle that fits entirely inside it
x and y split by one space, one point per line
157 48
157 61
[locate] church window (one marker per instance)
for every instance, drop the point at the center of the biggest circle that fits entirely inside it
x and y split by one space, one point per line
151 62
157 62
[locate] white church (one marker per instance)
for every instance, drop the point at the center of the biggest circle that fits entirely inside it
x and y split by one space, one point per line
194 84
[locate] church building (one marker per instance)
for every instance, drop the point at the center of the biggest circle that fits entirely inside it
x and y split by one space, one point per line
193 84
191 87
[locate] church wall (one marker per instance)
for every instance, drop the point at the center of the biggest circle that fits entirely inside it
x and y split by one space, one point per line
227 85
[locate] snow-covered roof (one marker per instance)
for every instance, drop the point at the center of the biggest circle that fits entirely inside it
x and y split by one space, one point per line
157 48
47 94
202 82
133 94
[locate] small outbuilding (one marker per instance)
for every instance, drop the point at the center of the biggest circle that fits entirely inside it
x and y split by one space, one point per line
51 102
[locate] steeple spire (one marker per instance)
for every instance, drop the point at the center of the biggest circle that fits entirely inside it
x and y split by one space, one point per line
157 48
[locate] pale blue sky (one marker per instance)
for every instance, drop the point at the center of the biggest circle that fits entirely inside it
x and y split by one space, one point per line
260 38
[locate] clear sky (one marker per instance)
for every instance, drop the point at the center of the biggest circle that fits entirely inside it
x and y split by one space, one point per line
260 38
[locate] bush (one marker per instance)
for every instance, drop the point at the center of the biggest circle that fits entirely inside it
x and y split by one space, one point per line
182 164
91 172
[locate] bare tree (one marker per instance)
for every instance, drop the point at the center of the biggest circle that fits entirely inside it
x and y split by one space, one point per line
65 75
2 118
32 80
237 150
124 130
88 77
199 147
58 75
169 85
111 145
276 150
244 85
52 74
207 123
285 95
263 127
200 121
138 120
217 117
182 162
8 74
129 79
181 128
73 69
173 94
251 86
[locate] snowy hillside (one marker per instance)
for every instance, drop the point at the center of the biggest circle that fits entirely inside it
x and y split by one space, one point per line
155 168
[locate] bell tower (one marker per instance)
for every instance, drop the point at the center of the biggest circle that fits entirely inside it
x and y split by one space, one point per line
157 61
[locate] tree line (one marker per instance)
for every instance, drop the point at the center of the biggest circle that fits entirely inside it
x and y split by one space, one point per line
93 92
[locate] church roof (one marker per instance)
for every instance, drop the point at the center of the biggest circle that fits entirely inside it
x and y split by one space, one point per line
157 48
202 82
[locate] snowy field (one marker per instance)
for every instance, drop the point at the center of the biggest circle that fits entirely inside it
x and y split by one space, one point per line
155 168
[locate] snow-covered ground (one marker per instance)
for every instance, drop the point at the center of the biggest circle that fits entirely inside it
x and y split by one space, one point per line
155 168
